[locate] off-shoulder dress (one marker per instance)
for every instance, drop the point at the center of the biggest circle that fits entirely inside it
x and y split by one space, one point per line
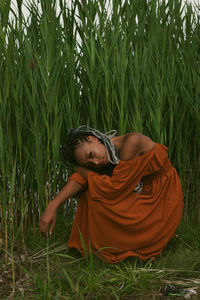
115 222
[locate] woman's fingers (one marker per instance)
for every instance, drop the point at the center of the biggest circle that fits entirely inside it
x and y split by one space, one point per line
44 225
43 228
47 219
52 226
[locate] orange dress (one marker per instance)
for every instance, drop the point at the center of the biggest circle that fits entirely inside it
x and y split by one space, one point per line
115 222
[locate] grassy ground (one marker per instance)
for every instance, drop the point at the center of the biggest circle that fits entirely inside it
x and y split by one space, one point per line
40 269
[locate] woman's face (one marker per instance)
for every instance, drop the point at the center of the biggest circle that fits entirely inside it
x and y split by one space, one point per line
91 154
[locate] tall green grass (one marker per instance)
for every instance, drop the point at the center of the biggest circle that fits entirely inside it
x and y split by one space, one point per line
134 68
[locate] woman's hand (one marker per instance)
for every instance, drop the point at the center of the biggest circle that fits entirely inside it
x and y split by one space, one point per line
48 218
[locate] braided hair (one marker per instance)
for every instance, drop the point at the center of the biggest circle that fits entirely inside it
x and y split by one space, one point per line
76 136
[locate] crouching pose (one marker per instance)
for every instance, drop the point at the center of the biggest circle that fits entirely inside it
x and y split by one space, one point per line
130 196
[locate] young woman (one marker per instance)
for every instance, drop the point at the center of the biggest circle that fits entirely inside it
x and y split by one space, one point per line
130 196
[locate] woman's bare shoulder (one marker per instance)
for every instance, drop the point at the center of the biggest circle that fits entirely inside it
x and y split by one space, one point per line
145 143
134 144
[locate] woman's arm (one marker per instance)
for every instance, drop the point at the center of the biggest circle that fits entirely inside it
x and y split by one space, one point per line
49 215
83 172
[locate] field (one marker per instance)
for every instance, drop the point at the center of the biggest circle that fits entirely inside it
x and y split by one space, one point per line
133 67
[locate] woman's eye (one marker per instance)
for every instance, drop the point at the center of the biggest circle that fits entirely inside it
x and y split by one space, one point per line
90 155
